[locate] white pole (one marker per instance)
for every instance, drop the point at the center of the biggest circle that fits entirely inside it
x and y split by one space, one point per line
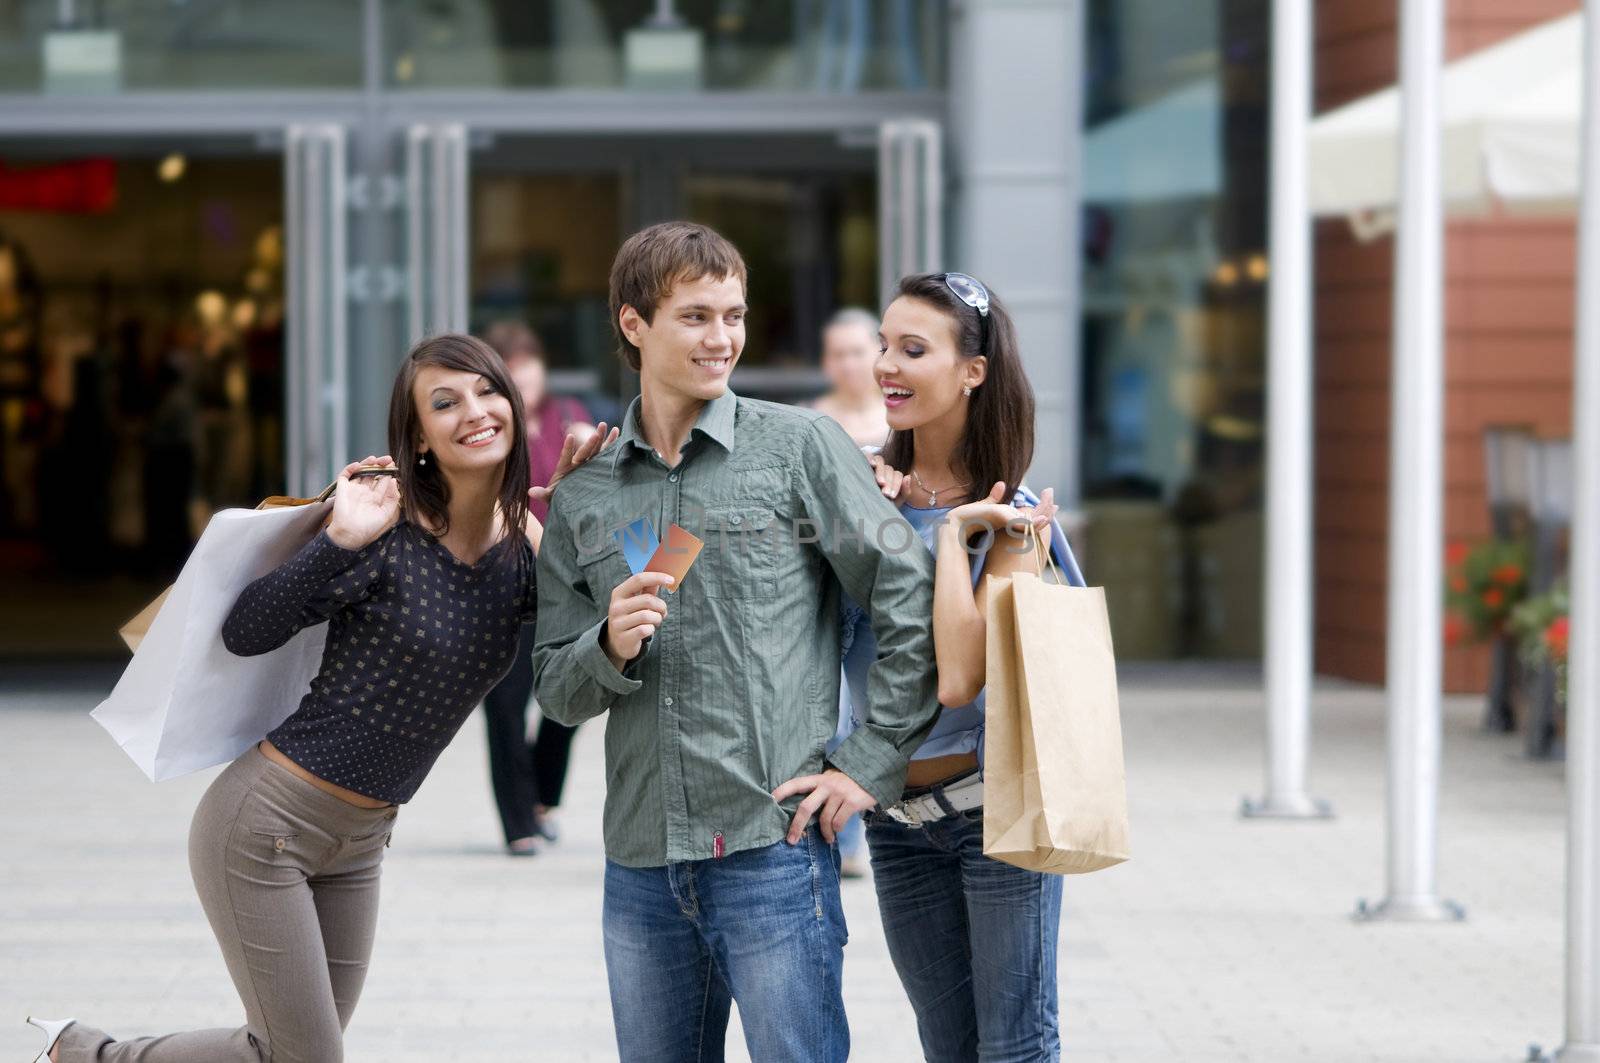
1288 658
1416 484
1583 653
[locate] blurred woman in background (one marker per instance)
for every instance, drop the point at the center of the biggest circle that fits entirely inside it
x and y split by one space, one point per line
528 777
849 348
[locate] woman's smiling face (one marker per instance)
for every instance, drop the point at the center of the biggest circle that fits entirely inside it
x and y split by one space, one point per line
465 420
919 368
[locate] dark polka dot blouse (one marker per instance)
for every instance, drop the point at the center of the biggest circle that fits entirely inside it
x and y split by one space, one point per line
416 638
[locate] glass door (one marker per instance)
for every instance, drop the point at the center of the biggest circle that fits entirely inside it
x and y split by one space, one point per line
538 218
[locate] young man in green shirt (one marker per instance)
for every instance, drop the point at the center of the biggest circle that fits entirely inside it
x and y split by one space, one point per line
724 691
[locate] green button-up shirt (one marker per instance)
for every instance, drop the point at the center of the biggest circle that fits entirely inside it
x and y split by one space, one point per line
738 691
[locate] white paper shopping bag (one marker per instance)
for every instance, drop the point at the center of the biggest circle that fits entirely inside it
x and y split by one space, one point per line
184 702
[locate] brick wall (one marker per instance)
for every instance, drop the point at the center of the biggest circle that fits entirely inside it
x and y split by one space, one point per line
1508 348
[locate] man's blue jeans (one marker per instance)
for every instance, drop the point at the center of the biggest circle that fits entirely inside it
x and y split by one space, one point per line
763 927
974 940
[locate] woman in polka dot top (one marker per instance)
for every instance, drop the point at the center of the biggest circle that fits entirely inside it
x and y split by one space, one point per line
424 579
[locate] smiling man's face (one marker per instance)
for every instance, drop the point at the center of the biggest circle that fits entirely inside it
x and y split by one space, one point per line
694 340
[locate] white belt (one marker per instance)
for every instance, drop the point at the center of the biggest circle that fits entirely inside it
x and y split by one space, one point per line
962 796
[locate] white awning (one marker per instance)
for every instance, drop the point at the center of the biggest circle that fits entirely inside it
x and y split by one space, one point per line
1511 120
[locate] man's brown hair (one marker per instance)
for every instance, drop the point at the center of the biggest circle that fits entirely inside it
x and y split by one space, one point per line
655 260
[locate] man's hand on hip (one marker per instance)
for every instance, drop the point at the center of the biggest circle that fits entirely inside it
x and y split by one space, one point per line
834 798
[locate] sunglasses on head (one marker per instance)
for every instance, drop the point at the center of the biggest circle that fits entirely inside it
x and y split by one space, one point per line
971 291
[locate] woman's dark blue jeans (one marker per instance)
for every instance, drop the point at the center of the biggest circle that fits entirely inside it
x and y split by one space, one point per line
973 939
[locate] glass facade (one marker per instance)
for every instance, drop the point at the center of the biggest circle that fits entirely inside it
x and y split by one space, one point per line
74 47
152 230
843 46
502 151
1174 267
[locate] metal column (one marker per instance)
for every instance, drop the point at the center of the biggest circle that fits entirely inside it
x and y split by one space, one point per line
1583 647
317 334
1416 485
1016 153
910 201
1290 417
436 229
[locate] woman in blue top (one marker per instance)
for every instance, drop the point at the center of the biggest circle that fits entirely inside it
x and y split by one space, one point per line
973 939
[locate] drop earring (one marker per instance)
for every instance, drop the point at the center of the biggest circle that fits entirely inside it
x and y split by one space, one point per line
422 459
967 392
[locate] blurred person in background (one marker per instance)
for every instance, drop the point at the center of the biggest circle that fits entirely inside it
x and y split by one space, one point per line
528 777
170 462
222 411
76 442
849 348
21 358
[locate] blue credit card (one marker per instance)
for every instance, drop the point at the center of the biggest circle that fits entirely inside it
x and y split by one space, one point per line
639 543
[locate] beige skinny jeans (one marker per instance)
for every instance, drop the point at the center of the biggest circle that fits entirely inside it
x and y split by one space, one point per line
288 876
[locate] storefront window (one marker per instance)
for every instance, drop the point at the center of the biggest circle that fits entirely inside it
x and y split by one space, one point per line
837 46
73 47
1174 320
141 370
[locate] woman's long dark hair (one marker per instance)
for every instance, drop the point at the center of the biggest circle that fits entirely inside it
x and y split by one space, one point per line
424 494
997 441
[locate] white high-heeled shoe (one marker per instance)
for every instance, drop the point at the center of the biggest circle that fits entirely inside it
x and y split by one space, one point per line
52 1034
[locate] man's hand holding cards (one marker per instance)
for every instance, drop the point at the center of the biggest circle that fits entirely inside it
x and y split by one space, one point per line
636 609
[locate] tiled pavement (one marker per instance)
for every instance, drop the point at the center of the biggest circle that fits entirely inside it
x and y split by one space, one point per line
1222 940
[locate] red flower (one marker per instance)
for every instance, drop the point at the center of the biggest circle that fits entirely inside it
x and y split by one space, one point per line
1494 597
1455 553
1458 583
1455 630
1508 575
1555 638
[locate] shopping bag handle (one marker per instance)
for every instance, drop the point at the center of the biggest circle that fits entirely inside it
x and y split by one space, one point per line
285 501
1049 555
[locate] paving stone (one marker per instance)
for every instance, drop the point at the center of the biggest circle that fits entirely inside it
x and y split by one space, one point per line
1221 940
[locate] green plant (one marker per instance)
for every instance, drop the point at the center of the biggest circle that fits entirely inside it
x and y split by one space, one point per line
1539 624
1483 584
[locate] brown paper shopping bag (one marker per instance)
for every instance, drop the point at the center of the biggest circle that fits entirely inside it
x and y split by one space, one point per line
134 631
1055 792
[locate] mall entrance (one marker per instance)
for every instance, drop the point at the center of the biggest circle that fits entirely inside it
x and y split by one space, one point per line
178 312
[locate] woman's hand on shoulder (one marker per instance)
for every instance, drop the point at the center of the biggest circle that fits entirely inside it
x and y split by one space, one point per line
992 513
582 443
364 507
1045 511
892 482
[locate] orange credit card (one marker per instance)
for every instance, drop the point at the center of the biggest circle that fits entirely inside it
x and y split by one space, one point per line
675 554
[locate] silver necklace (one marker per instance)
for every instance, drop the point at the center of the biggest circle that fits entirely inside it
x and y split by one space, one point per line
933 494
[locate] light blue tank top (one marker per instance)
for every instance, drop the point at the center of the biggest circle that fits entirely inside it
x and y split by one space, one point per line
958 730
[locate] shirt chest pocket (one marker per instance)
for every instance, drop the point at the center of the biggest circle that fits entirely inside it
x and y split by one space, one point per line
603 569
743 541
